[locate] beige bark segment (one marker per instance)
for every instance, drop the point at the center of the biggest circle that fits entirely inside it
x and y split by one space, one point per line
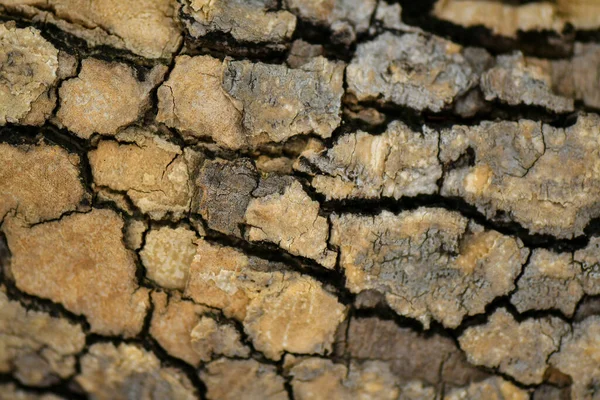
154 173
168 254
39 182
183 330
545 178
429 263
37 348
519 349
27 77
280 310
508 19
579 356
400 162
144 27
242 379
81 262
119 372
246 21
105 97
304 232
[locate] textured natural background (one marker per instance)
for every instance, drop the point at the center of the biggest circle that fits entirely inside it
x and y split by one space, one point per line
300 199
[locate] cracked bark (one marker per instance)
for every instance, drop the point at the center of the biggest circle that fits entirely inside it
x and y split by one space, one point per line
289 199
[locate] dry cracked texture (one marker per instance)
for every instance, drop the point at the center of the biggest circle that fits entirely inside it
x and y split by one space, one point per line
542 177
280 310
336 199
345 18
519 349
413 70
243 104
146 28
128 371
40 182
152 172
397 163
104 97
29 72
80 261
40 349
245 20
227 379
186 331
429 263
506 18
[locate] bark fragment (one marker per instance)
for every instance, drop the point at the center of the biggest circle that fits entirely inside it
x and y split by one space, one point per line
280 310
519 349
279 102
250 21
27 77
429 263
412 70
146 27
81 262
242 379
183 330
345 18
578 357
318 378
397 163
432 359
151 171
304 232
125 371
542 177
507 19
39 182
516 81
168 254
550 281
104 97
37 348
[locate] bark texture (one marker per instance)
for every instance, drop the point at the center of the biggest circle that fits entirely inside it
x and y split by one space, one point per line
300 199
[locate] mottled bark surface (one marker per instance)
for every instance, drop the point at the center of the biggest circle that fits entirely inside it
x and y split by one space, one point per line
300 199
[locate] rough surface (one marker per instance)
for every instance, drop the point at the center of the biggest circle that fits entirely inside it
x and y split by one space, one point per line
494 388
145 28
515 81
528 170
167 255
507 19
39 182
412 70
429 263
104 98
246 21
345 18
123 371
432 359
317 378
37 348
27 76
280 311
397 163
248 379
578 357
305 232
519 349
87 251
550 281
279 102
152 172
286 199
